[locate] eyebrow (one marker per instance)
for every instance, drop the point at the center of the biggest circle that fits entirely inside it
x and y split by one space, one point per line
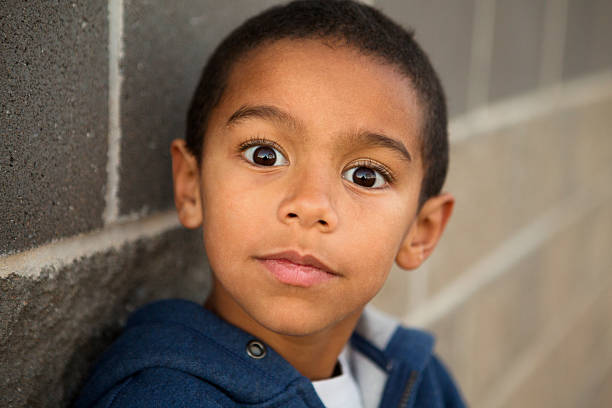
263 112
378 139
274 114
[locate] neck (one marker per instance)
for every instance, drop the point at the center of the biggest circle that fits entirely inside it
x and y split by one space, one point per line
312 355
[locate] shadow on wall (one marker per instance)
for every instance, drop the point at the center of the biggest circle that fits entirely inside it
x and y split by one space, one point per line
73 312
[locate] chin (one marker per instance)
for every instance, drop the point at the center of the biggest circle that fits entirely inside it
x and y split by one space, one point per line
294 322
294 329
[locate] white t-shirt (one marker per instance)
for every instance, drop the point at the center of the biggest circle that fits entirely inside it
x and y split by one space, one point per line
340 391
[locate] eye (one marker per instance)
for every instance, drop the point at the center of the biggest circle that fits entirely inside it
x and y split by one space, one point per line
264 155
365 177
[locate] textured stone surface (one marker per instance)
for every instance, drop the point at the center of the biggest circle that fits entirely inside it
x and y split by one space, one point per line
573 261
444 30
588 38
517 47
394 296
452 333
480 177
503 180
53 327
166 46
593 154
500 326
565 377
53 120
483 339
600 394
53 125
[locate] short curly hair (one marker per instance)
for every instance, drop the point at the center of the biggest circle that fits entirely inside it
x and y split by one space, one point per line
355 24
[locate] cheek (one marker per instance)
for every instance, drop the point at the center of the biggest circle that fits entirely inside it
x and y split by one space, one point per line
376 239
382 223
234 213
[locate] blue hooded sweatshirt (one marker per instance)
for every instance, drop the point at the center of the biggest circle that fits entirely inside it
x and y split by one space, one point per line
175 353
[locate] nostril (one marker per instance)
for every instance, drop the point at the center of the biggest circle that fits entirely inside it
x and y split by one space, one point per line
324 223
292 215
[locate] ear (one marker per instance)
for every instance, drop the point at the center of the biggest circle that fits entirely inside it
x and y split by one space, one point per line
186 176
425 232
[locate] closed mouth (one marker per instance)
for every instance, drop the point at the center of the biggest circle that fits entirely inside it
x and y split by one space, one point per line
293 269
298 259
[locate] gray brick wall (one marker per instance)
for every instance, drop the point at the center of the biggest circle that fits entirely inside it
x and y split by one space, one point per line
444 29
517 292
54 114
588 37
517 45
166 46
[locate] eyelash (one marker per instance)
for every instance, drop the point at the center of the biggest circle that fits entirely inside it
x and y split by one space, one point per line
262 141
371 164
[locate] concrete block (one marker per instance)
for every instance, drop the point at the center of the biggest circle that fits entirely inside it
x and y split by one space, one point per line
600 395
573 261
166 46
541 169
555 277
394 297
592 147
481 172
482 339
503 324
54 327
588 39
444 31
504 180
53 120
453 333
517 47
570 370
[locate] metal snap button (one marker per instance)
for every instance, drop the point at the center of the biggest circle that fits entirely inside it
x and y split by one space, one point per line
256 349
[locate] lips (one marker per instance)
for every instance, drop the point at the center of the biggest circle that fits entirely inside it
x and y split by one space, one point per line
291 268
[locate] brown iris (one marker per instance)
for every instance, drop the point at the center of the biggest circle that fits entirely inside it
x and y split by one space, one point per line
264 156
364 176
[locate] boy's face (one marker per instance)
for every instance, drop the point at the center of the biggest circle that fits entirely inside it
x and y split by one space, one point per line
313 152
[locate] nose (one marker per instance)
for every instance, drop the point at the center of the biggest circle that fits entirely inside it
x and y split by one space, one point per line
309 203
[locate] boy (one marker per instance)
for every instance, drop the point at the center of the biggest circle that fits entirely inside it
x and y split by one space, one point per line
315 154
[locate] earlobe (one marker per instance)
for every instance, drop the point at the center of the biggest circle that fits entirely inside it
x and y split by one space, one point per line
425 232
186 177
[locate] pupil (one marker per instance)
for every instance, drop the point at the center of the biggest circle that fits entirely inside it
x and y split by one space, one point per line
264 156
364 177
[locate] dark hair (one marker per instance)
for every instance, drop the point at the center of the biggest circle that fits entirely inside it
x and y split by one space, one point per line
354 24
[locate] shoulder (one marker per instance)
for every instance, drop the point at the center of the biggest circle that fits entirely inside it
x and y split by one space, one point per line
408 357
177 354
162 387
436 386
158 360
439 379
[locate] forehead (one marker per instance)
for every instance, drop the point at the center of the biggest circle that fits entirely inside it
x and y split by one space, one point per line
327 87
